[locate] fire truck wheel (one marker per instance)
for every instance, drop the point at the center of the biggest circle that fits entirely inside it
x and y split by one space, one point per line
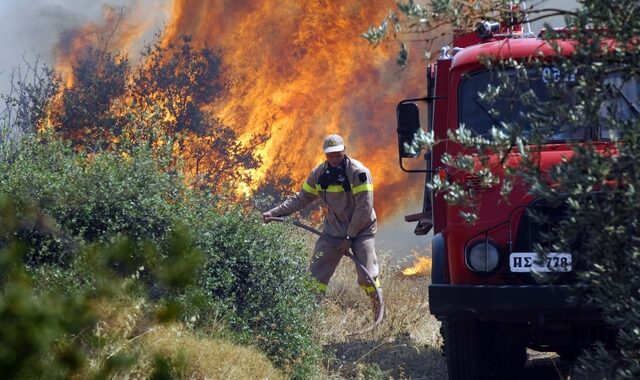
508 353
463 347
481 350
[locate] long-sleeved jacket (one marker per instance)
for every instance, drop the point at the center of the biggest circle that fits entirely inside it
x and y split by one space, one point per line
350 211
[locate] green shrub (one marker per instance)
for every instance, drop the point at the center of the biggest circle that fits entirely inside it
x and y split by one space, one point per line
261 273
71 205
49 317
90 198
36 327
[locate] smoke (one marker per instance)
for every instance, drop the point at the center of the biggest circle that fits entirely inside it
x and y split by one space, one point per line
32 29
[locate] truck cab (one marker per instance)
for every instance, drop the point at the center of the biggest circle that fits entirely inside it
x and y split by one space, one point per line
484 288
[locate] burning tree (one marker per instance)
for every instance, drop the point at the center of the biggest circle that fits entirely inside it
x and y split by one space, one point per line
185 82
165 101
85 116
182 80
28 102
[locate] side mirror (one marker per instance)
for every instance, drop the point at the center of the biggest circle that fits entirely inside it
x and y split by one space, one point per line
408 116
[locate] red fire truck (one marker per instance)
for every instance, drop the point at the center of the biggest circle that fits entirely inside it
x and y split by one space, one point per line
483 288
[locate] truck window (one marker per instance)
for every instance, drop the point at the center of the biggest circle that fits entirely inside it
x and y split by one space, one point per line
623 105
512 102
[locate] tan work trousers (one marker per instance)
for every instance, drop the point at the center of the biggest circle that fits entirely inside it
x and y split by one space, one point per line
326 258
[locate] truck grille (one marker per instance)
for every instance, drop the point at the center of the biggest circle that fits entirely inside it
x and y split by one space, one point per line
532 231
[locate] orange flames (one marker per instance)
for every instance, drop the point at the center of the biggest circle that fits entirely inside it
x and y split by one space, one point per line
421 266
115 32
300 70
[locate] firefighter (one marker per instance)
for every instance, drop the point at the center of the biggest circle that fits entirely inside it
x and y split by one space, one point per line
345 187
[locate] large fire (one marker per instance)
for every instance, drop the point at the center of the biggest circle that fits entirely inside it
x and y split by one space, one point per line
301 70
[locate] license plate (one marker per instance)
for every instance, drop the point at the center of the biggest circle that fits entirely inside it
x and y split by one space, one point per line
531 262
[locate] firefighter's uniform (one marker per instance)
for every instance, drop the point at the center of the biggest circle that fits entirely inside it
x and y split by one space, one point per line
350 214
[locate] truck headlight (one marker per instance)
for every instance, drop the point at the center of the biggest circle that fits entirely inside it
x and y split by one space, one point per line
482 256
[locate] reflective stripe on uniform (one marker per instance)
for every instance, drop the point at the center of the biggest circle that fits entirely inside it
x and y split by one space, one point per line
371 288
306 187
361 188
330 189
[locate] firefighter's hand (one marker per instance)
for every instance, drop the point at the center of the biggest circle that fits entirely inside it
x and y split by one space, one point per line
266 217
345 247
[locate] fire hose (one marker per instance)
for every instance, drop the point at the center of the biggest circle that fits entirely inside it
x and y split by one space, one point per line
359 265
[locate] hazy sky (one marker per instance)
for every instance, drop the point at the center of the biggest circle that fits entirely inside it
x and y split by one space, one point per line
31 28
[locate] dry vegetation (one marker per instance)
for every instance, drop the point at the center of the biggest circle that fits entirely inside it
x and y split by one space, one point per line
213 359
407 345
126 328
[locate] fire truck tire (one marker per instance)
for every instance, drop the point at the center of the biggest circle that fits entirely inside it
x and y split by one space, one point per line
478 351
508 353
463 349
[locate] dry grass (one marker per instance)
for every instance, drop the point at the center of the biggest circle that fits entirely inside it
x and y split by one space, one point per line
127 327
407 345
210 358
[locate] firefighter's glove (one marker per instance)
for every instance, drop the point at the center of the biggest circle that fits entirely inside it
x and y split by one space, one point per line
345 247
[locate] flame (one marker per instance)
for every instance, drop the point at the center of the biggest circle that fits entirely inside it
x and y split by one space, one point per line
116 31
300 71
421 266
305 73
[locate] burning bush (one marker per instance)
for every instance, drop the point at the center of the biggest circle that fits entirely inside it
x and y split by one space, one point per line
165 102
85 116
